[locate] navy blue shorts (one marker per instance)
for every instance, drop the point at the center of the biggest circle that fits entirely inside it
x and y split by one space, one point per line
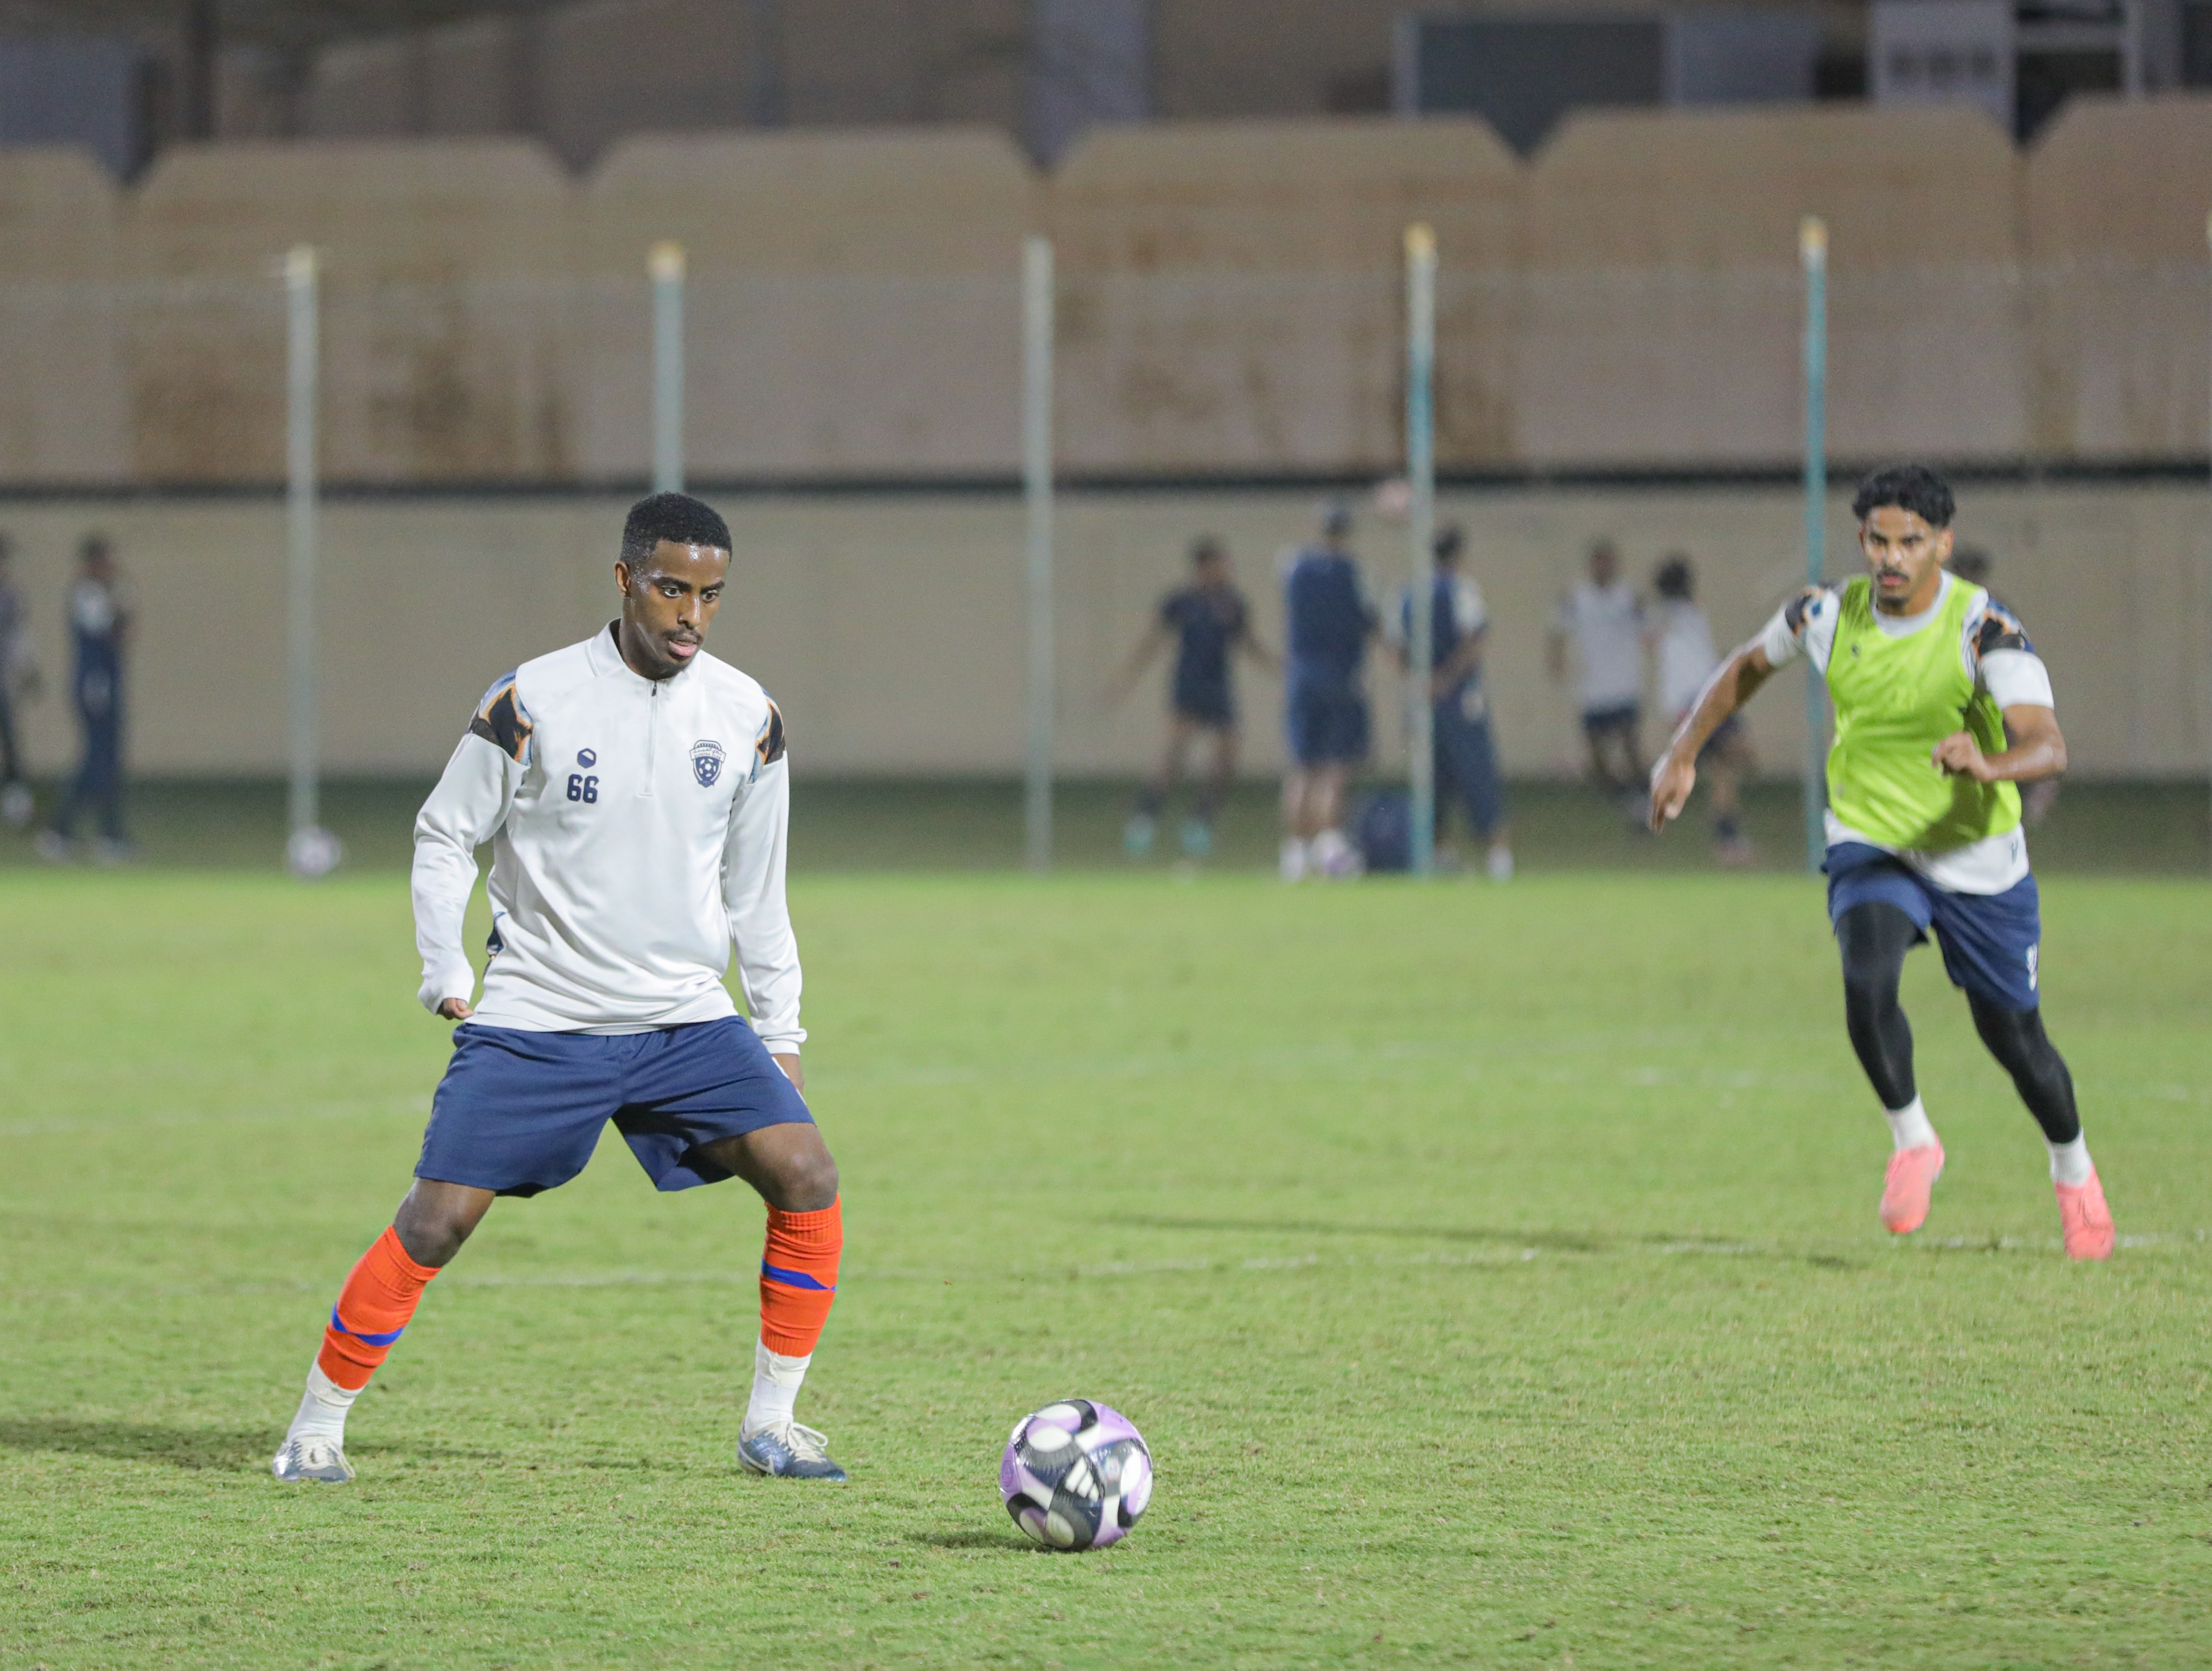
1990 941
1620 717
1204 703
519 1112
1326 722
1467 761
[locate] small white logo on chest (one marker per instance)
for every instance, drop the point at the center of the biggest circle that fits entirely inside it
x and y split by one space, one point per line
707 757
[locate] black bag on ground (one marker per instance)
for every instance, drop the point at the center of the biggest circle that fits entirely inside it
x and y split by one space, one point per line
1384 832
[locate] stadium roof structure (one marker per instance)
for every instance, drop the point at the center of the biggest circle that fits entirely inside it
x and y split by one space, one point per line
189 35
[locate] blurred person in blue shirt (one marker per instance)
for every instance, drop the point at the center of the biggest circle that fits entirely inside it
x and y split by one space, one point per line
1324 700
1210 622
1465 753
100 630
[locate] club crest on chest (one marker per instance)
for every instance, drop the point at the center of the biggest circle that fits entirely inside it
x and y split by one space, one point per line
707 757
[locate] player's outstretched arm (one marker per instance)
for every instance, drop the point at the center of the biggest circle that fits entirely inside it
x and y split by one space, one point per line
2037 749
1735 682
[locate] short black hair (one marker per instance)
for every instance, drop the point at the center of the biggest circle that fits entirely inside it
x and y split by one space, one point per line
1672 578
1335 518
1208 548
1912 487
677 517
1451 541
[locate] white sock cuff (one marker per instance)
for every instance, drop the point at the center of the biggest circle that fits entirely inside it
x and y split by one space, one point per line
778 1367
1909 1127
323 1390
2070 1163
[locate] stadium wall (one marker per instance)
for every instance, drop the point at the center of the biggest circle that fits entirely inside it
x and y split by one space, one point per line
890 625
1629 300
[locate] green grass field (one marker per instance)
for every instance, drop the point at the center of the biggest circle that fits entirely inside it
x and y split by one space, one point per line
1494 1272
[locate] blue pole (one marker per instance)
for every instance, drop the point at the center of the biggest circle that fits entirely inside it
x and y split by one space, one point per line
1813 248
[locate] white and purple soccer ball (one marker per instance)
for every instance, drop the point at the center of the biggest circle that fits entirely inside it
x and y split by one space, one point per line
1076 1476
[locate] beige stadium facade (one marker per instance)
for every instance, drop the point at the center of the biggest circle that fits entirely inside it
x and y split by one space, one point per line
1618 357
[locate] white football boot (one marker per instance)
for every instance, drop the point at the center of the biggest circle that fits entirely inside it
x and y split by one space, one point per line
312 1457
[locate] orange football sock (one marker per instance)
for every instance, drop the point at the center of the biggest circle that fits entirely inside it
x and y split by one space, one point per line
798 1277
373 1307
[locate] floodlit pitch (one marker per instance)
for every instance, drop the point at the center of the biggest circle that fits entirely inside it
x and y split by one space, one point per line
1493 1273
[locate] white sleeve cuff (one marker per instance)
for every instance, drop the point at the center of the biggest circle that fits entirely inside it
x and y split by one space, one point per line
783 1041
438 985
2017 678
1780 644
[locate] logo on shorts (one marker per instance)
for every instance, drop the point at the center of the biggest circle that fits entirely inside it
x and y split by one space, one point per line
2032 973
587 758
707 757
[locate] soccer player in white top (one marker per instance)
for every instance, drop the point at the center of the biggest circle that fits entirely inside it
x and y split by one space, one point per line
1602 619
1682 641
1943 709
635 793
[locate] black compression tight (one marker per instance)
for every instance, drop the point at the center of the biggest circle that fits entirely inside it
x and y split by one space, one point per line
2016 1039
1874 939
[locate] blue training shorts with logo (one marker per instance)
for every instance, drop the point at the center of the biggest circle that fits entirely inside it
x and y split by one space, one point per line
1990 941
519 1112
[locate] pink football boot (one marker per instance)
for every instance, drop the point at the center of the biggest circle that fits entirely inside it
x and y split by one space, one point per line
1906 1186
2086 1219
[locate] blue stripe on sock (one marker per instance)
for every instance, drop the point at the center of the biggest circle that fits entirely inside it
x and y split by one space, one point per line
366 1339
796 1279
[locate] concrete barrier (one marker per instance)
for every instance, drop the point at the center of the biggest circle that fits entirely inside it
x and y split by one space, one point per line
891 627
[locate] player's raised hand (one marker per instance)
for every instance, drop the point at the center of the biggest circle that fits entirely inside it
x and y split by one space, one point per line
1959 755
455 1009
1672 780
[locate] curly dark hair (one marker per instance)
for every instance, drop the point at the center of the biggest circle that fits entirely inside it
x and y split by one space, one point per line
671 516
1912 487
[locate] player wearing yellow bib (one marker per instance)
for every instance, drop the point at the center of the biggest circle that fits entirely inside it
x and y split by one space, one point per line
1943 707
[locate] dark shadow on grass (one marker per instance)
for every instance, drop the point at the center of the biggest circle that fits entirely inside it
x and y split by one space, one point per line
1568 1241
1008 1543
215 1448
141 1442
1553 1241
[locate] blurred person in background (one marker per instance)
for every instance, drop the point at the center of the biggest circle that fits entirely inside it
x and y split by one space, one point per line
19 678
99 631
1973 565
1324 703
1465 756
1209 621
1600 619
1682 641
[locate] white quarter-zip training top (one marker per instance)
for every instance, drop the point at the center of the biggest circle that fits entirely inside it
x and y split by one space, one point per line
638 829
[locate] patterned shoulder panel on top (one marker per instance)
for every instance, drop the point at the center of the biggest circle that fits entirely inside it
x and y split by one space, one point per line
1795 612
2000 629
768 745
502 721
